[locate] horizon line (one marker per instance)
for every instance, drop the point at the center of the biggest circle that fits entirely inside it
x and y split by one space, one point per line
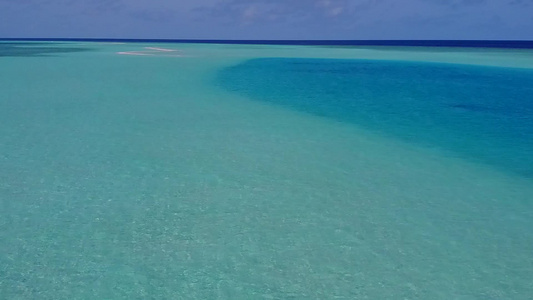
524 44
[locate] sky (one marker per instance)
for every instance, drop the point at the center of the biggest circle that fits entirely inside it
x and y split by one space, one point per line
268 19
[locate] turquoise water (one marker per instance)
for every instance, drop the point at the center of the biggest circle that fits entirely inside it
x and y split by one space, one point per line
127 176
481 113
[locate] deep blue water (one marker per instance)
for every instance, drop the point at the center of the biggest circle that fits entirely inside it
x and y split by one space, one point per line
407 43
484 114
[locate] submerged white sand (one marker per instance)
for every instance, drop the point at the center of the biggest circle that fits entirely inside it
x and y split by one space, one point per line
136 177
151 51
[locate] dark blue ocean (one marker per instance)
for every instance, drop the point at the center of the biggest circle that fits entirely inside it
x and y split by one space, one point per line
507 44
479 113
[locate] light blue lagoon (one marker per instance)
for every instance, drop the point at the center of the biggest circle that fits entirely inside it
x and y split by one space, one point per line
204 171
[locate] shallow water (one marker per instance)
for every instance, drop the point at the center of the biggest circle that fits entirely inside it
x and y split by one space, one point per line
127 177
